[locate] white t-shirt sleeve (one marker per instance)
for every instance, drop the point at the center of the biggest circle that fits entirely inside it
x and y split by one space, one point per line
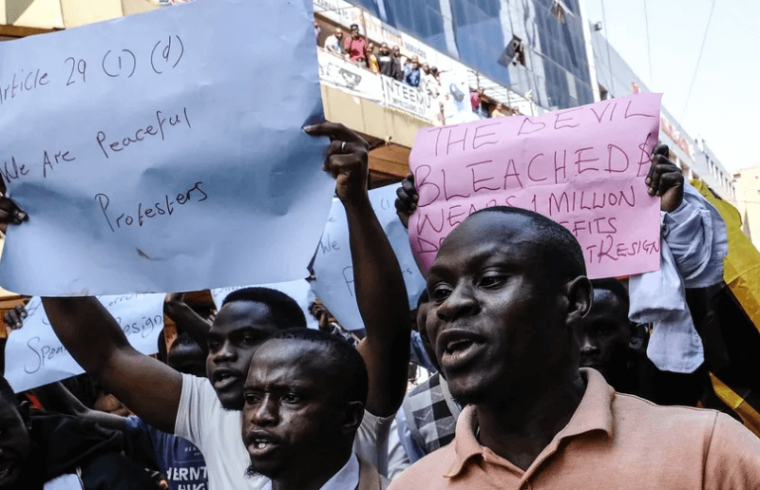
198 407
372 441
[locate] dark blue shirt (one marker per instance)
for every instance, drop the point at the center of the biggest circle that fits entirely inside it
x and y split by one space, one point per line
179 459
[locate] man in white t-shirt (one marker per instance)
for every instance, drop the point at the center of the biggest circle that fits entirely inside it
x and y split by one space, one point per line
204 411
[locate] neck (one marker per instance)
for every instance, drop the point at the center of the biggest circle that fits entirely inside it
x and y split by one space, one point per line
313 474
519 427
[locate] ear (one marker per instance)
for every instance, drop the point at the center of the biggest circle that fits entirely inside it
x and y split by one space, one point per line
580 297
353 418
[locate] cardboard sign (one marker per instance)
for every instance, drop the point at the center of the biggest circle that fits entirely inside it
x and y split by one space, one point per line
333 266
582 167
164 151
35 357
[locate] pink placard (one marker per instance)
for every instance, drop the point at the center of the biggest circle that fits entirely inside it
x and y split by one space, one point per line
582 167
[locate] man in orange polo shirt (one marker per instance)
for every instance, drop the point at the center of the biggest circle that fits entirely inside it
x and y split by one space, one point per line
507 289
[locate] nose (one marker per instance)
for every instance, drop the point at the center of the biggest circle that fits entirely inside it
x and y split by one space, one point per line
588 348
460 303
226 353
265 413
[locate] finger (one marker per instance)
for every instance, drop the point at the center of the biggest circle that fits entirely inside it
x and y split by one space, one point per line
654 179
404 203
410 190
662 150
658 171
339 147
334 130
21 310
669 180
12 212
336 163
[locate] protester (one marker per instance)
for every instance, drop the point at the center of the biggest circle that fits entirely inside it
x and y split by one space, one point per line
304 402
204 412
400 63
334 43
498 111
508 289
412 72
429 83
374 64
387 62
476 98
39 449
355 47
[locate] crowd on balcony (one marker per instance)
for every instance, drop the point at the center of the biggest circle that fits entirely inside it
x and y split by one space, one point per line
389 61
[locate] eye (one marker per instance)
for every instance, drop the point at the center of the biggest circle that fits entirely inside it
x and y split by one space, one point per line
213 345
492 280
441 292
291 398
252 398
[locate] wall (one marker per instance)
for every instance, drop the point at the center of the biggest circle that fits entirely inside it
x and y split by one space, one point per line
748 197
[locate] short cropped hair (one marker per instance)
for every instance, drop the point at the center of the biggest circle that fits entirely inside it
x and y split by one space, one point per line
564 251
615 287
355 382
285 311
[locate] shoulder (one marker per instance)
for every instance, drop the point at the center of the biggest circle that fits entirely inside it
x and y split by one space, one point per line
634 415
429 472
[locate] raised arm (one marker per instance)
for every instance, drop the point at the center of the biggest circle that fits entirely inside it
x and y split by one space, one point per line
187 319
94 339
58 399
380 290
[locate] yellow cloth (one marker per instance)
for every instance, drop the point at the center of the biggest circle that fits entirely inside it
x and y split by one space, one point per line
742 265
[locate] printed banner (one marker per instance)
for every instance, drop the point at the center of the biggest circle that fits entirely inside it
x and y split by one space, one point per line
349 77
164 151
408 99
582 167
334 283
35 357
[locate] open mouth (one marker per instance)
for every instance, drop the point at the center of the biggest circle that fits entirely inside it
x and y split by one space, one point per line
459 347
261 444
224 379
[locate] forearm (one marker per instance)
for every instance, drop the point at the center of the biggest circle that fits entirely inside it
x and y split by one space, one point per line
57 398
93 338
87 330
384 307
189 321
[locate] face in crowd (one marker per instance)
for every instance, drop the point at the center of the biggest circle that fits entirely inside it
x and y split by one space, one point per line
339 34
15 441
506 290
247 318
186 356
415 62
384 49
355 31
396 51
605 334
304 401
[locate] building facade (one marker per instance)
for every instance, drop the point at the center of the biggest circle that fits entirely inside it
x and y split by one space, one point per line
747 183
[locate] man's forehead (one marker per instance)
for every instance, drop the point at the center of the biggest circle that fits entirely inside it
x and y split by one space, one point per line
297 360
491 232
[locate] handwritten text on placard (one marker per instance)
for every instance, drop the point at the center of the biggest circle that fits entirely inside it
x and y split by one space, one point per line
35 356
149 159
582 167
